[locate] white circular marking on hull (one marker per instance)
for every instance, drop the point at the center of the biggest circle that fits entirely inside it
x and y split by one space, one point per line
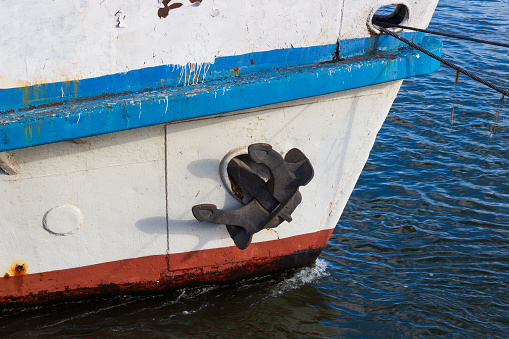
63 220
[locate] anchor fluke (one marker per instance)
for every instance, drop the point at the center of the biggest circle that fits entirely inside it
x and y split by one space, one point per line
272 200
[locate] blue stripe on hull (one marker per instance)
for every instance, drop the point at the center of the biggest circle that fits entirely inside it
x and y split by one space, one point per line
159 77
105 115
151 78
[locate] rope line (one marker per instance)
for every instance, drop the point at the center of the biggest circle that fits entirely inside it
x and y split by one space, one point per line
445 62
387 24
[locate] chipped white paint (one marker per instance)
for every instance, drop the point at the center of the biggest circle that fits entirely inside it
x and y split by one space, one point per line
58 40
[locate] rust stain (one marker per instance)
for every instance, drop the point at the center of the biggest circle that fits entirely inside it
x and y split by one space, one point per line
236 190
30 105
22 83
19 267
35 94
273 231
252 61
75 85
26 96
236 70
17 274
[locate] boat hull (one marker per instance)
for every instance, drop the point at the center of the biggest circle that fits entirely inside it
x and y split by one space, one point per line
112 128
134 191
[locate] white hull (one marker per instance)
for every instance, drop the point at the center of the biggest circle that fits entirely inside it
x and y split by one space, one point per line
118 181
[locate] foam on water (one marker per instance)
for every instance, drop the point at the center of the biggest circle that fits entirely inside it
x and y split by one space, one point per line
300 277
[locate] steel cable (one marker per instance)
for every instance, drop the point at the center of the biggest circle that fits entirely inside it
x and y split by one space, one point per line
443 61
387 24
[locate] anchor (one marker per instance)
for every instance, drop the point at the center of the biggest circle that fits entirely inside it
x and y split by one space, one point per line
268 186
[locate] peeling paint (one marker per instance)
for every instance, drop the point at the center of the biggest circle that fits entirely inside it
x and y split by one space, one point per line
136 31
120 19
163 12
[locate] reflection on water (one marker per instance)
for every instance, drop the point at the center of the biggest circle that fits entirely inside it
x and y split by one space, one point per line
422 248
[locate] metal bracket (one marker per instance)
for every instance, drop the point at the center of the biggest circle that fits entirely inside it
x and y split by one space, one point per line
272 200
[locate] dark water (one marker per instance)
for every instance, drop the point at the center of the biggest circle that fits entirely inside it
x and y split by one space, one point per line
422 249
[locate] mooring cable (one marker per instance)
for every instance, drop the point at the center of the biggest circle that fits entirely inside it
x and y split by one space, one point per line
443 61
461 37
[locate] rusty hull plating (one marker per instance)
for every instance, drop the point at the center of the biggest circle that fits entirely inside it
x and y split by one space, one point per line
161 273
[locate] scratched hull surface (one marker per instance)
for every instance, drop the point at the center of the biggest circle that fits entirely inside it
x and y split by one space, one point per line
97 193
56 41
